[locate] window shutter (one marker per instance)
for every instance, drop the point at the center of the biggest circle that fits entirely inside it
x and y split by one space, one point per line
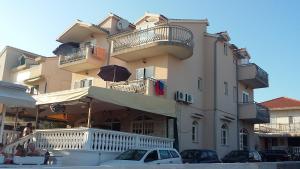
149 72
90 82
140 73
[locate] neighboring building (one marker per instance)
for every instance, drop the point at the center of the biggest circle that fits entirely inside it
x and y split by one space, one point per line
283 131
215 78
40 74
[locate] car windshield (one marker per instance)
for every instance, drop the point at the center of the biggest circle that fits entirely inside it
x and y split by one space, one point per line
234 154
134 155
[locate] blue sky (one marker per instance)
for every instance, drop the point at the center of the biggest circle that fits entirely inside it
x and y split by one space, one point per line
269 29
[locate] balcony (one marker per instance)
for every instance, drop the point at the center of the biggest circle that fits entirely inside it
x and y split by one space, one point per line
82 59
141 86
253 76
254 112
28 74
155 41
288 129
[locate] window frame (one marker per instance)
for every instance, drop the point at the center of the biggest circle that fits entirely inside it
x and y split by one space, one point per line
244 100
226 88
195 131
149 154
200 84
224 134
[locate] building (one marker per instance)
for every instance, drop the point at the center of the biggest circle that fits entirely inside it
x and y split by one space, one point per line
39 73
283 130
187 86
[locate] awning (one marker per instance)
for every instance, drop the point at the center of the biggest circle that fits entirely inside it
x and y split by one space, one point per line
141 102
13 95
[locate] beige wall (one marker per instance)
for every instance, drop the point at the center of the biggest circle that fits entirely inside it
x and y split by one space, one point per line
182 75
57 79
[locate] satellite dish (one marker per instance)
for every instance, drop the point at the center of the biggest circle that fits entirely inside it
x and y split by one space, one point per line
122 24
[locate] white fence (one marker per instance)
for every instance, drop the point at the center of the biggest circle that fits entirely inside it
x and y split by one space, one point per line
10 136
91 139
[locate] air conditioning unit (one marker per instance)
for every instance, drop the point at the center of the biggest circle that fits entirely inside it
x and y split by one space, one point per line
189 98
180 96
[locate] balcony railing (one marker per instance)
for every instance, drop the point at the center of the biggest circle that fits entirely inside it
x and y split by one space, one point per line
167 33
135 86
262 111
262 75
253 75
254 112
90 139
278 128
76 55
141 86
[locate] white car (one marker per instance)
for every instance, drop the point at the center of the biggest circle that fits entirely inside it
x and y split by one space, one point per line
147 156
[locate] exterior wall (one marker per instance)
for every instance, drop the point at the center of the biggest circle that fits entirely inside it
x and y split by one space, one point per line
8 60
211 109
282 116
55 79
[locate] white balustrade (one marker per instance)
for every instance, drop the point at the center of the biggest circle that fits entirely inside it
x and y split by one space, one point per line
91 139
114 141
9 136
10 148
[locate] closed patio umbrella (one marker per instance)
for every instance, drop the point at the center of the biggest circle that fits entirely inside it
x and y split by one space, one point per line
114 73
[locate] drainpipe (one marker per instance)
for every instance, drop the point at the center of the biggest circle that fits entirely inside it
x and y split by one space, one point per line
215 93
237 106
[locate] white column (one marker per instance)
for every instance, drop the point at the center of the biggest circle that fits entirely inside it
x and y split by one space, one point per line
89 114
3 110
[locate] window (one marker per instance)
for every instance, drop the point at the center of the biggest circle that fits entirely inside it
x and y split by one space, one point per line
200 84
112 124
143 125
195 130
204 155
291 119
234 93
244 61
152 156
174 154
226 88
224 134
245 97
83 83
144 73
34 90
243 139
225 49
164 154
133 155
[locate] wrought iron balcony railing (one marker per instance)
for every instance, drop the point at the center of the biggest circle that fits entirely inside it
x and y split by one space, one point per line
77 54
261 74
166 33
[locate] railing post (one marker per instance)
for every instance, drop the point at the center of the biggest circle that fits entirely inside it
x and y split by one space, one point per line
88 143
137 141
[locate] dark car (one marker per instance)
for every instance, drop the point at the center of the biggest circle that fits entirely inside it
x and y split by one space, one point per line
242 156
275 155
199 156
